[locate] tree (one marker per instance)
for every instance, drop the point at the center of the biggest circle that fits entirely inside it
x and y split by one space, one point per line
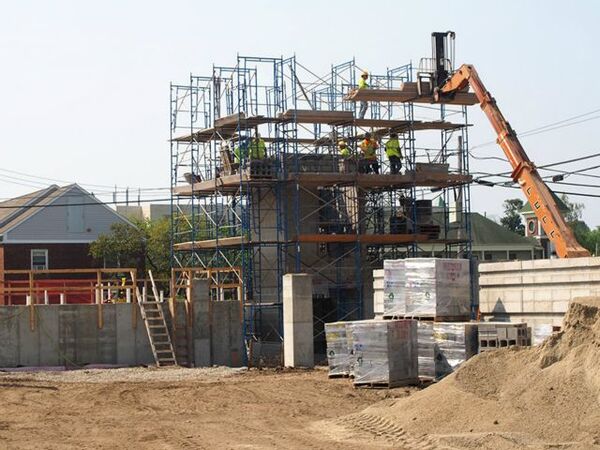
512 217
574 210
144 245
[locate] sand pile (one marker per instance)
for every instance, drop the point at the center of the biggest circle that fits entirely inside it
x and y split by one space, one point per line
511 398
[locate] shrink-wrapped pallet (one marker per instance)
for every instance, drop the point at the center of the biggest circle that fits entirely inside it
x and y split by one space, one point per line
437 287
426 349
394 286
540 332
454 343
385 353
338 355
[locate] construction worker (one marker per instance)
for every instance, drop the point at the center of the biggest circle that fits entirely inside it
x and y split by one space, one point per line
347 160
240 152
344 150
257 148
362 84
394 153
369 162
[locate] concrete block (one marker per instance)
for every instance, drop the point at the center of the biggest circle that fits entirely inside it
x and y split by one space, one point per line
298 347
297 298
563 294
298 320
541 306
560 307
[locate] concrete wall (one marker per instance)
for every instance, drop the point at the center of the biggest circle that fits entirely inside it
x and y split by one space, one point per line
69 335
536 292
217 332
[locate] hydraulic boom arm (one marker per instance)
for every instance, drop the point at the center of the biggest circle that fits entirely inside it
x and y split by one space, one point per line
524 171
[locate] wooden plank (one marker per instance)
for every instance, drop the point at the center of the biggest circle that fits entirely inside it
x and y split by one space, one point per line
408 93
380 181
382 123
211 243
362 238
323 117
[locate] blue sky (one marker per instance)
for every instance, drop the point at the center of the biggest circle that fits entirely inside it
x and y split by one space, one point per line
84 86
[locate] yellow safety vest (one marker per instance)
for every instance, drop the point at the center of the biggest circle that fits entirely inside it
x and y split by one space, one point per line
368 147
362 83
345 152
258 149
392 148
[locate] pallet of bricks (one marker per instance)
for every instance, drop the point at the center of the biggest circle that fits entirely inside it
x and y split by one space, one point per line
437 293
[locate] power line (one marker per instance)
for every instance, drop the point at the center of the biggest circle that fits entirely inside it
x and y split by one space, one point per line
549 127
545 166
85 204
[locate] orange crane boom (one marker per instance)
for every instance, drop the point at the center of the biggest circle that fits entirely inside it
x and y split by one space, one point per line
524 171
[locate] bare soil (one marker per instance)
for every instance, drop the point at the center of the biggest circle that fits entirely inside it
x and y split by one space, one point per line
177 408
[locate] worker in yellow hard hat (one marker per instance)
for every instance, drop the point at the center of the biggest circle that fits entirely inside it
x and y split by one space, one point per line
369 161
344 150
362 84
393 151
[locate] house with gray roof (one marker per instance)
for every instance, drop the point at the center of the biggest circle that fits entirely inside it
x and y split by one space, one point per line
52 229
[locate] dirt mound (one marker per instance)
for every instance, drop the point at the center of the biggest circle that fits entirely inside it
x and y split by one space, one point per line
511 398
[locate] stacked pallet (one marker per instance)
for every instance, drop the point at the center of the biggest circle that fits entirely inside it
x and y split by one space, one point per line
427 288
436 292
385 353
338 354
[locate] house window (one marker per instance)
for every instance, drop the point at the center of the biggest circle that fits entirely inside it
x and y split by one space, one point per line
39 259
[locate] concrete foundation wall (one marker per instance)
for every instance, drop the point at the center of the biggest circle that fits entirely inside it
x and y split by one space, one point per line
217 332
115 334
69 335
537 291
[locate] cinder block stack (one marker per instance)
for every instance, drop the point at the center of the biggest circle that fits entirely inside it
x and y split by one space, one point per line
494 335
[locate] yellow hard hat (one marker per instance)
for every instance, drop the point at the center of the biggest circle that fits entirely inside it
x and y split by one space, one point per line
342 144
364 74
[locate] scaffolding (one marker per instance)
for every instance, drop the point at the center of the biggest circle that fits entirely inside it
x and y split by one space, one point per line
301 207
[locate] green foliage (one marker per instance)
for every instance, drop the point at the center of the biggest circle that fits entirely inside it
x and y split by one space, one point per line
574 210
145 245
122 247
512 217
